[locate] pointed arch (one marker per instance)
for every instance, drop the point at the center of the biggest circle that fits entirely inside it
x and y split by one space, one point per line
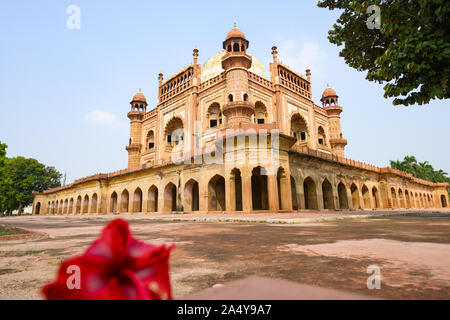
152 204
260 113
327 194
376 197
85 208
113 203
260 200
309 190
366 197
170 197
216 193
78 207
443 201
237 184
299 128
191 195
321 136
394 198
174 132
66 206
137 200
94 203
342 195
355 196
214 115
407 199
70 211
124 201
37 208
150 141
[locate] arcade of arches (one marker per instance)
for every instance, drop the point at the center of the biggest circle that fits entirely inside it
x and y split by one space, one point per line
245 189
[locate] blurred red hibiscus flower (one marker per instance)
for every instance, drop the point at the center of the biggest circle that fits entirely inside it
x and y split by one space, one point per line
114 267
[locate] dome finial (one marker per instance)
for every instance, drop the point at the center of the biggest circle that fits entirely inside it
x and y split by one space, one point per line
329 92
235 25
139 97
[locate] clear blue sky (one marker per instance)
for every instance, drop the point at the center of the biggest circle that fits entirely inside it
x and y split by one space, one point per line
64 94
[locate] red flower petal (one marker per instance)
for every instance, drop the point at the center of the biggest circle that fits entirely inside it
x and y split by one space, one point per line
116 266
113 244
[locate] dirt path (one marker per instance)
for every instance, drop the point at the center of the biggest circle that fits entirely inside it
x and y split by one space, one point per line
411 251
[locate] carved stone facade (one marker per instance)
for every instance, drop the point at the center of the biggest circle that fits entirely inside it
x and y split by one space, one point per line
225 137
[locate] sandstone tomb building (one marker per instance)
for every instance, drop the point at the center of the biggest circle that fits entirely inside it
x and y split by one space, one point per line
227 137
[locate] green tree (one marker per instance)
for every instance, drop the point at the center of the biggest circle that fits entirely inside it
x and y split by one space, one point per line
19 177
406 165
410 54
3 147
5 181
29 175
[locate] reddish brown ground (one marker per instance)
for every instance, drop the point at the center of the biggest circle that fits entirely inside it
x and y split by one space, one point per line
412 252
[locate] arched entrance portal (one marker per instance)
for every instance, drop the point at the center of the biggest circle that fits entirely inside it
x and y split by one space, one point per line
375 197
152 205
443 201
366 197
37 209
327 193
394 198
78 207
407 199
191 195
94 203
309 189
260 199
137 200
113 203
86 204
236 177
70 206
170 197
342 194
299 129
355 196
124 201
216 193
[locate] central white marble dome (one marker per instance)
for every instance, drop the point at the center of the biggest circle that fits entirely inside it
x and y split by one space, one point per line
213 67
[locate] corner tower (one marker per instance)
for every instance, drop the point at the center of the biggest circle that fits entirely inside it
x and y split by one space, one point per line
136 116
236 63
333 109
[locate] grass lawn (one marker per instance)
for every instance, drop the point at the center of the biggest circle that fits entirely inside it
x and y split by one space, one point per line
5 231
